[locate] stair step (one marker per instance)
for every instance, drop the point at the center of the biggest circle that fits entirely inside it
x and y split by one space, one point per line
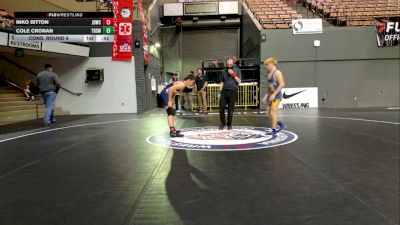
15 103
8 95
5 91
12 99
19 107
41 110
6 87
18 118
14 108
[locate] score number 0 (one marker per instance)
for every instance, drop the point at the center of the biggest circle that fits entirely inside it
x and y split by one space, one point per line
108 21
108 26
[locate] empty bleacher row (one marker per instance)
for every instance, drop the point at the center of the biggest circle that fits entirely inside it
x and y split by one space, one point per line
278 14
273 13
353 12
6 20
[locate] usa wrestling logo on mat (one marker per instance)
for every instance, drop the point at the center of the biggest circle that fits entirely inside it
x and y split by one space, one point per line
212 139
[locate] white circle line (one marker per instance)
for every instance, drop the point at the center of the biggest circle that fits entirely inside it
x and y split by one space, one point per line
323 117
295 137
117 121
63 128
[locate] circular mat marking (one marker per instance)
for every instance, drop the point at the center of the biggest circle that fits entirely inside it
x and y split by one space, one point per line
212 139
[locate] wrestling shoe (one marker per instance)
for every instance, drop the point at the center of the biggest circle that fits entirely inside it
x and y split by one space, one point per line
281 125
178 131
273 132
175 134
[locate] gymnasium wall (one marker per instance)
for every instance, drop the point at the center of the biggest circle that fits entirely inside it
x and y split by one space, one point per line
117 94
183 50
154 20
15 74
205 44
171 49
146 98
349 69
250 38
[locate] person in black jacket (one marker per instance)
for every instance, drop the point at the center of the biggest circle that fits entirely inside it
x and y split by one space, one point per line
231 78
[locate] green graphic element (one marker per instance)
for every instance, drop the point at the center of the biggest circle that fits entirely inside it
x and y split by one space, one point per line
108 30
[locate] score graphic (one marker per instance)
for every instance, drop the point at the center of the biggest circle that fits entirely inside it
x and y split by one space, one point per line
108 21
64 27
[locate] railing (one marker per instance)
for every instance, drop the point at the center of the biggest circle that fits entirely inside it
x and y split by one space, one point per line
12 84
241 62
248 96
248 66
17 65
23 90
32 73
37 110
71 92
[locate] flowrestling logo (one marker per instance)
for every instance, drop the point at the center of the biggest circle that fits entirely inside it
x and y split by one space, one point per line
212 139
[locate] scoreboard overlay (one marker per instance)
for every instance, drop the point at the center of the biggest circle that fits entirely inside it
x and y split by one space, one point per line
64 26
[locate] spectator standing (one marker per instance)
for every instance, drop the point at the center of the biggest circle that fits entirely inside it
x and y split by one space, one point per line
201 87
49 84
187 97
174 78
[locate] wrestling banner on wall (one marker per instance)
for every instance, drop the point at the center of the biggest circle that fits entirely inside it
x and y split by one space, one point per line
145 38
387 31
307 26
305 97
122 45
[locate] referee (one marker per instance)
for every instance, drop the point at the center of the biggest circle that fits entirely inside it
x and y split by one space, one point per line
231 78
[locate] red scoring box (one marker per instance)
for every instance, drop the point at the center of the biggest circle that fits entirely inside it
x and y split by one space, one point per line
108 21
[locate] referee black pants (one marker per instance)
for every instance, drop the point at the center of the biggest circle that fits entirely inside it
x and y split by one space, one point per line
228 97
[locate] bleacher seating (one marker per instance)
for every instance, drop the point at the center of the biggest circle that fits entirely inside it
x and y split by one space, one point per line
273 14
353 12
6 20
